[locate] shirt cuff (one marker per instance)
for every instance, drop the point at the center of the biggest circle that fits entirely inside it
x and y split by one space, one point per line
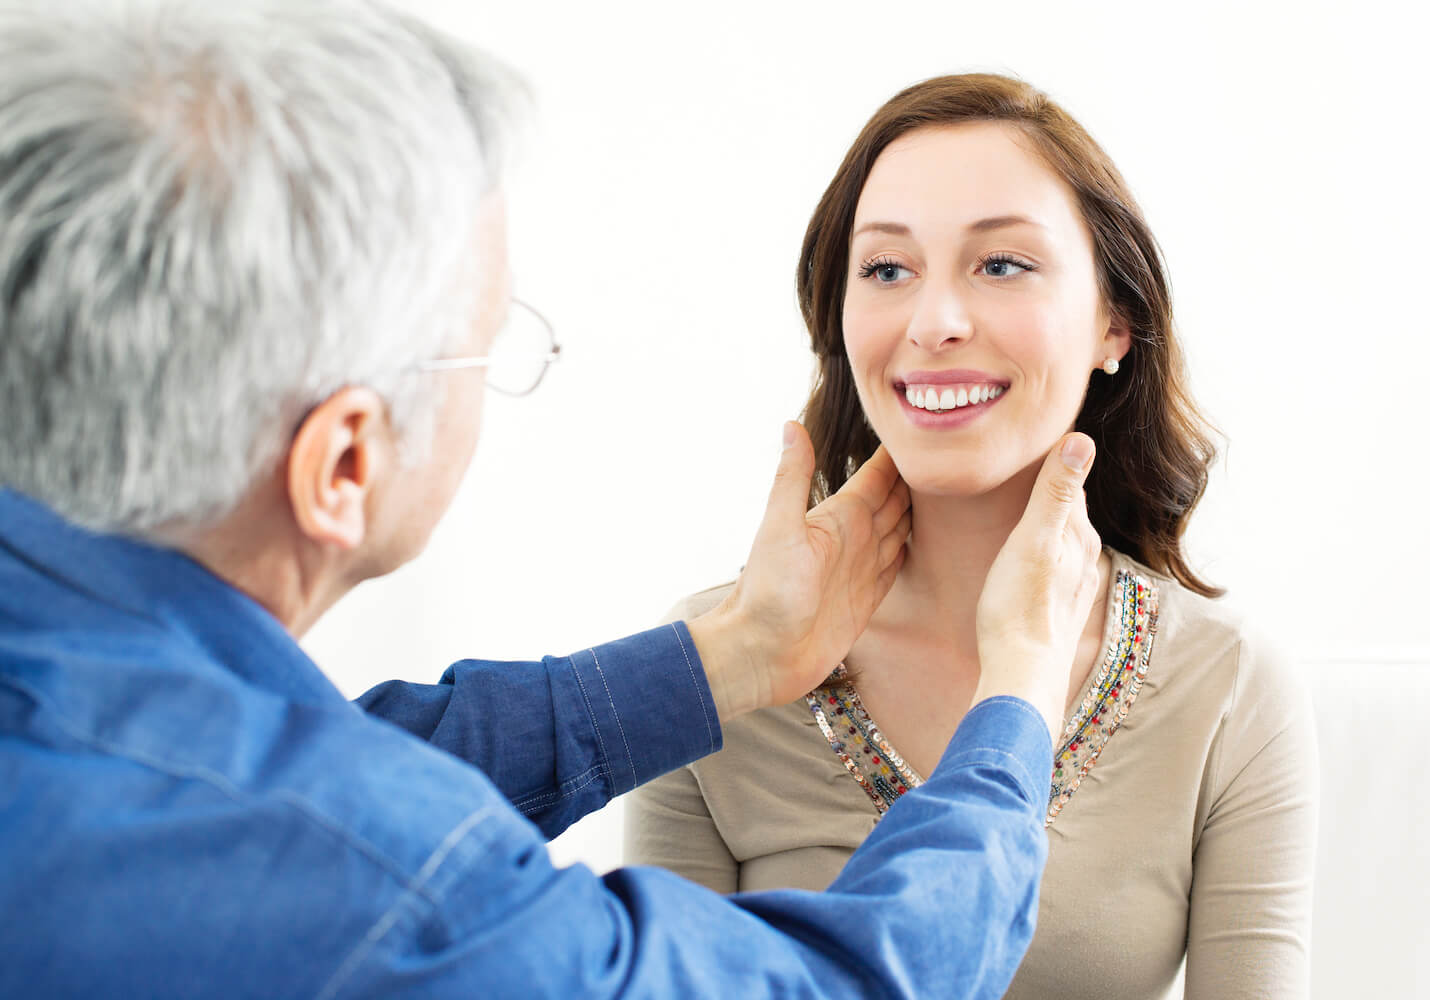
650 704
1011 734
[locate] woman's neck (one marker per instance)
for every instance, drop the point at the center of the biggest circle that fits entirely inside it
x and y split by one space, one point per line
916 666
953 544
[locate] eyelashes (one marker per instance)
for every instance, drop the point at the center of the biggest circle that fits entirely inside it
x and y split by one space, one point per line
870 267
998 265
1003 260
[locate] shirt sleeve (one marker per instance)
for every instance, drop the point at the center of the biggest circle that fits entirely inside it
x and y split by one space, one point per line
562 736
1249 926
939 901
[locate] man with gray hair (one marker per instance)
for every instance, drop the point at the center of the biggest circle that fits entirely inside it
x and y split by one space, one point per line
253 287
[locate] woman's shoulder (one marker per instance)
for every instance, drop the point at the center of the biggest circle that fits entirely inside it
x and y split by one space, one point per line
696 604
788 731
754 732
1216 642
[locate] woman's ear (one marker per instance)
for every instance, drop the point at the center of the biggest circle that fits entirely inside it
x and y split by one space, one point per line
1116 339
337 458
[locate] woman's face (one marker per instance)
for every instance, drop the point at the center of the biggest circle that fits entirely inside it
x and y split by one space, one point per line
972 317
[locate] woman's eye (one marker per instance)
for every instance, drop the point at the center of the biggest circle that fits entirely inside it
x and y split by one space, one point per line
885 272
1003 267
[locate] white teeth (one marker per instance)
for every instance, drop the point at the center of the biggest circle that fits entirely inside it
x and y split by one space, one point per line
934 400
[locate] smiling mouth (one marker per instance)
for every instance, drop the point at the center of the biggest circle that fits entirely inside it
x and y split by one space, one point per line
941 398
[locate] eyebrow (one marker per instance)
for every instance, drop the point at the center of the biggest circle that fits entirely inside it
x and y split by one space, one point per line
981 226
894 228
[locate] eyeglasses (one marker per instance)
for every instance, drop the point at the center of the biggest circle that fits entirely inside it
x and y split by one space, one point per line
523 350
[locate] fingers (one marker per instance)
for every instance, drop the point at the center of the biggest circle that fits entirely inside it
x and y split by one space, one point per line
885 581
894 508
892 542
1082 530
789 496
874 481
1079 526
1089 543
1058 495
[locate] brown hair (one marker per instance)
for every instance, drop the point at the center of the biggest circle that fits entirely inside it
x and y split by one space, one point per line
1153 446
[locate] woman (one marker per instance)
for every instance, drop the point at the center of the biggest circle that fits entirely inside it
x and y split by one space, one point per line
976 280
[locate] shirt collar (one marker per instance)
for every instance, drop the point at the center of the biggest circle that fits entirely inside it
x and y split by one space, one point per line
164 587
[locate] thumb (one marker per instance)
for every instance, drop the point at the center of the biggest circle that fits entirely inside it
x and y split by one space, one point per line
789 496
1059 486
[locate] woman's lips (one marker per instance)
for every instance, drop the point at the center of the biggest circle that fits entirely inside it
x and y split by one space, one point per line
945 403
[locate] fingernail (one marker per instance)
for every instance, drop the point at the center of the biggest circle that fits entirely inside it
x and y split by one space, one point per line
1076 452
788 438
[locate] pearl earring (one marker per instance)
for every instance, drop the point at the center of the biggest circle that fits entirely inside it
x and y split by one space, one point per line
1110 366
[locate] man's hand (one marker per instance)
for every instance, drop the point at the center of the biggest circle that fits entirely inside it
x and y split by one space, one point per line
810 586
1040 589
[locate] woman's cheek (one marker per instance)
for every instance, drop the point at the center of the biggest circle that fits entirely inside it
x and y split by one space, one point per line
862 362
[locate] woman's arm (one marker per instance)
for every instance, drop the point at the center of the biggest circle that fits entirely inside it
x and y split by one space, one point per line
1249 928
667 821
669 825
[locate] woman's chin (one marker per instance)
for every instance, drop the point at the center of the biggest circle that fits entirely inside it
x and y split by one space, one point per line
975 473
960 486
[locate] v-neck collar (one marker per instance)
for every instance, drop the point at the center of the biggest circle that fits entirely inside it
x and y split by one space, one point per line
1096 711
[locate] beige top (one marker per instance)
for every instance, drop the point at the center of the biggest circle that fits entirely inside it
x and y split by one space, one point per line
1193 835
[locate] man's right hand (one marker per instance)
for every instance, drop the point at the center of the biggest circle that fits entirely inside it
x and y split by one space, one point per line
1040 589
810 585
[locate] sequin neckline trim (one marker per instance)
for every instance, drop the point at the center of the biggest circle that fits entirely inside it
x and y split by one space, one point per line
873 762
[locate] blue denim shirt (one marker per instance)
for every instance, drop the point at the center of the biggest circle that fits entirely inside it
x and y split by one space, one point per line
189 807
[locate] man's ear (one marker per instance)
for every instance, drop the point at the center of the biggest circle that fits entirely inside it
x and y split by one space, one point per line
334 464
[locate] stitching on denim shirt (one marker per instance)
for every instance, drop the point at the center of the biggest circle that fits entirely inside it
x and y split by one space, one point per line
220 783
595 726
547 798
538 799
570 784
620 727
417 888
709 732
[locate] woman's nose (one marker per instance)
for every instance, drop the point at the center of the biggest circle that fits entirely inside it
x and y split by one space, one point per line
940 318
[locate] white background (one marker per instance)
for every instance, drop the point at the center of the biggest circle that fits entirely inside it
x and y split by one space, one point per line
657 211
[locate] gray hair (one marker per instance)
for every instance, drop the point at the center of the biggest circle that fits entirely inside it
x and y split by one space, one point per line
213 215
